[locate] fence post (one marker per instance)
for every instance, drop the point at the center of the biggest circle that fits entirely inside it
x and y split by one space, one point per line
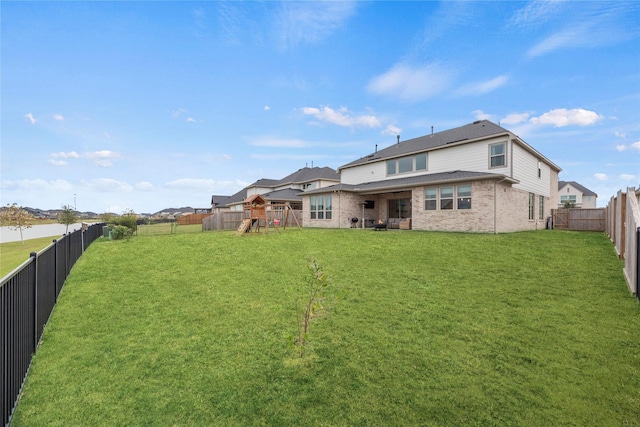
34 255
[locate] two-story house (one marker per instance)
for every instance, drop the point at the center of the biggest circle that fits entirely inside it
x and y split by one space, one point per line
575 195
476 178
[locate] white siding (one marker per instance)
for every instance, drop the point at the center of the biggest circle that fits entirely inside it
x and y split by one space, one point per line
467 157
525 170
365 173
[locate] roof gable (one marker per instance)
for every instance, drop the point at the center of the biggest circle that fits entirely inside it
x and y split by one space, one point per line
585 191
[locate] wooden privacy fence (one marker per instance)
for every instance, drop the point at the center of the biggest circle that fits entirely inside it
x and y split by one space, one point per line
579 219
623 228
192 219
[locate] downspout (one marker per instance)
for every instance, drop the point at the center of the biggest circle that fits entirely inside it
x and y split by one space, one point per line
495 204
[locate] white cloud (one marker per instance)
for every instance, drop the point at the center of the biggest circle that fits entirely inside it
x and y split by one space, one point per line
570 37
515 118
600 176
311 22
190 120
180 111
481 115
63 155
562 117
627 177
107 185
535 12
342 117
392 130
620 134
411 83
144 186
267 108
636 145
621 147
480 88
58 117
57 162
31 118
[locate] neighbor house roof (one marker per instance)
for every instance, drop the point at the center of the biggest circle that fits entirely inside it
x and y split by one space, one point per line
472 131
286 194
412 181
585 191
300 176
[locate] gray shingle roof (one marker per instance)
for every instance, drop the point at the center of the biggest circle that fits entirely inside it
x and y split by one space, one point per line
585 190
300 176
408 182
478 129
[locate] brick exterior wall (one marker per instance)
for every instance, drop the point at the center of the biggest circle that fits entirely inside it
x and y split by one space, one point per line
496 207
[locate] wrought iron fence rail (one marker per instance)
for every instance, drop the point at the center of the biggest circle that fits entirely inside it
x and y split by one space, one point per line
27 297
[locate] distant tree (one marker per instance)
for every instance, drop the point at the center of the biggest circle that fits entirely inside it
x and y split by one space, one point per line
107 217
67 217
568 205
16 218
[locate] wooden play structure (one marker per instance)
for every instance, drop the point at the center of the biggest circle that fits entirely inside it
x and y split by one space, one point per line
260 214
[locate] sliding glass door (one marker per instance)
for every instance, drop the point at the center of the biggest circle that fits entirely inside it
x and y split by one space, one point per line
400 208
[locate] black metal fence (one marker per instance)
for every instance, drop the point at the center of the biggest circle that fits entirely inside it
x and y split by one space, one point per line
27 297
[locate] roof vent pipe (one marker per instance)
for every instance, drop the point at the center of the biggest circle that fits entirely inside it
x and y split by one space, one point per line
431 130
376 148
398 136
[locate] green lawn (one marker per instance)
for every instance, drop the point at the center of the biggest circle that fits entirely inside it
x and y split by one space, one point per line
12 254
442 329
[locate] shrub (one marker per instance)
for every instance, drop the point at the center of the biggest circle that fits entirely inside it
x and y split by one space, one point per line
120 232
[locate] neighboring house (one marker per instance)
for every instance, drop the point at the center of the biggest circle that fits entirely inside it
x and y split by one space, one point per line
279 191
477 178
575 195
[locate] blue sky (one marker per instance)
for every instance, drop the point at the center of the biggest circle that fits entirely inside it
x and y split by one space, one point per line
148 105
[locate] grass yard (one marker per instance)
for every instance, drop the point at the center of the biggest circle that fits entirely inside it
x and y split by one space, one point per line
436 329
12 254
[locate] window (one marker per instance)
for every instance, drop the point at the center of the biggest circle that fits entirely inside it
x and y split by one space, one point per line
320 207
446 198
541 208
497 155
464 196
532 201
391 167
570 199
407 164
430 199
539 169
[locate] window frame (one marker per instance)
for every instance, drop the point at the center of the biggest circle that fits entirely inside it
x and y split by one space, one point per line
320 207
433 199
398 165
541 207
503 155
465 198
532 206
446 201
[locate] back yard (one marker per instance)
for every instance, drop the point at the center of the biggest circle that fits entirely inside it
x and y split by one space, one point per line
533 328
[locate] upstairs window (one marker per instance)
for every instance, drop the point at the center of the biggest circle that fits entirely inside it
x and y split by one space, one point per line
498 155
407 164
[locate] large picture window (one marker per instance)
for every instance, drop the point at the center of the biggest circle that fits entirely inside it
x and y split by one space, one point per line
498 155
320 207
